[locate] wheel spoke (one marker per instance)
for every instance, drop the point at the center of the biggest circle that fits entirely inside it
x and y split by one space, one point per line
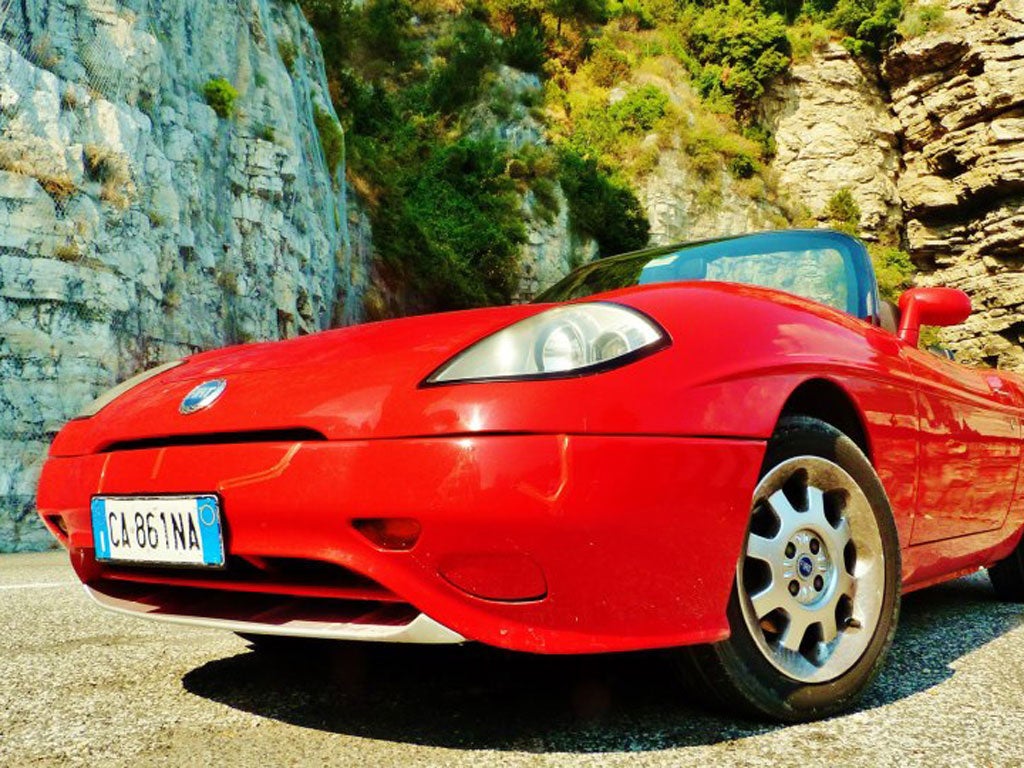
762 548
840 535
782 508
795 631
845 585
828 625
769 599
816 502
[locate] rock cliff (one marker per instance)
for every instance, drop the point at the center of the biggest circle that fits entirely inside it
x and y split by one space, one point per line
932 148
958 97
145 213
688 200
833 129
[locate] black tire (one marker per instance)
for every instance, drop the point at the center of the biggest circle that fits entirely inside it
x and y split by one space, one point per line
757 675
1007 576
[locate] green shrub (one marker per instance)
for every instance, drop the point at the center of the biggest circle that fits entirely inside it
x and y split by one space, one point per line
387 28
612 132
526 48
370 110
336 25
705 157
632 14
894 270
711 147
807 37
583 12
919 19
743 166
602 206
787 9
843 212
870 25
737 48
455 224
288 52
608 66
221 96
762 136
592 133
639 109
470 52
819 9
332 138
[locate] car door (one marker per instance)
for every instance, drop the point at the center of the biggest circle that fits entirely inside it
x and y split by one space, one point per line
969 430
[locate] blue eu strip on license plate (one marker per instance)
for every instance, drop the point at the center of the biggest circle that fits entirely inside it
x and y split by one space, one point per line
162 530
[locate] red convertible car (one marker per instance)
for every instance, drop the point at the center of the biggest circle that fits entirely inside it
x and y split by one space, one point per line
730 448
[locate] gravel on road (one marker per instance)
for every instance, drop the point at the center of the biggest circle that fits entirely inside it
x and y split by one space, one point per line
81 686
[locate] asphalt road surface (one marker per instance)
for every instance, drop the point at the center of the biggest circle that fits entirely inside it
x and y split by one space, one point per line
81 686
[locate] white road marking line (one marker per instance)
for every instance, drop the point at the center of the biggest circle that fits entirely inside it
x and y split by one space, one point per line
39 585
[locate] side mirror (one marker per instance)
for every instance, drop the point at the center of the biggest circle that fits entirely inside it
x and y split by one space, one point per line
931 306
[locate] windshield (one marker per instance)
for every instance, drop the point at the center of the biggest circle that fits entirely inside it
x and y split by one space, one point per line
824 266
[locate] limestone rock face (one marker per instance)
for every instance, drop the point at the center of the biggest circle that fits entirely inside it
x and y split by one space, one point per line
136 223
551 249
959 100
685 199
682 205
833 129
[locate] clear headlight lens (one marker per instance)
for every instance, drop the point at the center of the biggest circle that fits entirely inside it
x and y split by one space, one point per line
563 341
112 394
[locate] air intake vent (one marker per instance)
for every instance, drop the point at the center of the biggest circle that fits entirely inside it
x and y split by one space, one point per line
266 609
296 435
270 575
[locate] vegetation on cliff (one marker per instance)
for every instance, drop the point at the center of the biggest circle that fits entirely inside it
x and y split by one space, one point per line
894 270
419 85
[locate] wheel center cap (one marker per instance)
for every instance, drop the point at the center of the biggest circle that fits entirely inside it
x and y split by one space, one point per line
805 566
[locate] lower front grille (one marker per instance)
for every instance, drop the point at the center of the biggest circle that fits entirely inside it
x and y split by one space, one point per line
268 595
297 577
264 609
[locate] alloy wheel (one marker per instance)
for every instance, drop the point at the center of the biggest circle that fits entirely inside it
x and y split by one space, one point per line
812 578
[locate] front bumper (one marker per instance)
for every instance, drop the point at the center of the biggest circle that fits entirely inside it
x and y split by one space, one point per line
542 543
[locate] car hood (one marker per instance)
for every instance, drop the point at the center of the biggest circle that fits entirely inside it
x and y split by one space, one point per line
735 353
340 384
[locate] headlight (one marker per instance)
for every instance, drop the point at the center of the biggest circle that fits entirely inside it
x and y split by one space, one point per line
564 341
112 394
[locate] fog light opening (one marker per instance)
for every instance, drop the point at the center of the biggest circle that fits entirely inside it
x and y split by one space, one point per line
396 534
58 527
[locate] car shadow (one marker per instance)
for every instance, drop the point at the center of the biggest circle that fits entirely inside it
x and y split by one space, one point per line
473 697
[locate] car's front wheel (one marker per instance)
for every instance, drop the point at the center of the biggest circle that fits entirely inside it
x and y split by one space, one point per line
817 588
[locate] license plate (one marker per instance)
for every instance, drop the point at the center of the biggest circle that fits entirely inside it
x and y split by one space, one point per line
165 530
